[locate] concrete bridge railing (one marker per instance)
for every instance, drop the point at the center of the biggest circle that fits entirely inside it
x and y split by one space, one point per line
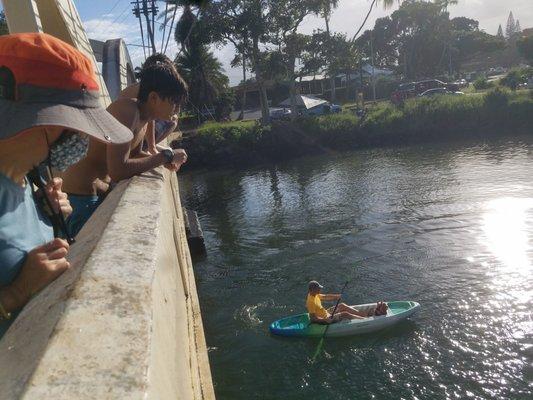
124 322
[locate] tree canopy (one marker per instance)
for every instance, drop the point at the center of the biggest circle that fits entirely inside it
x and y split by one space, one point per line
420 40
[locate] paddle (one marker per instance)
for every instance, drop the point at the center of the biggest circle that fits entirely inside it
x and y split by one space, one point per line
320 344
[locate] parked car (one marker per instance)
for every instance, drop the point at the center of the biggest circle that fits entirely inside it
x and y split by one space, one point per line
324 108
439 92
413 89
280 113
461 83
422 86
404 92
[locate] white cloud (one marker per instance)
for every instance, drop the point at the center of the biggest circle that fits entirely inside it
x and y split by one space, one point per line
105 28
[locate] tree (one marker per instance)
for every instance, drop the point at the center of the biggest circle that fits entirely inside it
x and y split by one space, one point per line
325 10
500 31
420 40
517 27
200 68
423 35
238 22
444 4
3 24
464 24
525 47
511 27
284 19
384 43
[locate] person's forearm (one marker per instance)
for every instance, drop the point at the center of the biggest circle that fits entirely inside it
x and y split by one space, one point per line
166 134
11 299
319 320
136 166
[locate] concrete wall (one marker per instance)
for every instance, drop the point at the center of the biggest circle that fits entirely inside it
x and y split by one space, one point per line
124 322
117 67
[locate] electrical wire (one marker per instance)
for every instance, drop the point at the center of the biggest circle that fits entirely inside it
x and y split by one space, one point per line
109 12
164 26
141 27
170 29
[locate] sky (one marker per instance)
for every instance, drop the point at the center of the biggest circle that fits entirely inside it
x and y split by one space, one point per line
111 19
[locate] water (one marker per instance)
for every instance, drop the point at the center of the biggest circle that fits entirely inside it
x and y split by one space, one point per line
449 226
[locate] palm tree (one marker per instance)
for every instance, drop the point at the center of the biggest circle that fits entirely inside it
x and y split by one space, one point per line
200 68
204 75
169 15
386 4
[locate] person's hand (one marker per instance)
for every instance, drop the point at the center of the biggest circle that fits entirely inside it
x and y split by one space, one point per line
57 197
42 266
180 156
173 167
152 150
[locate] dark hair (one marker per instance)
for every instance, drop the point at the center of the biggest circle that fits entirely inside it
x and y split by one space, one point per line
155 58
163 79
7 84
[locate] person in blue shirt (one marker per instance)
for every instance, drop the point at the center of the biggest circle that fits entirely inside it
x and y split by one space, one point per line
49 104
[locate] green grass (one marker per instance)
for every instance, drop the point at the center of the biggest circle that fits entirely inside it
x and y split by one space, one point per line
223 125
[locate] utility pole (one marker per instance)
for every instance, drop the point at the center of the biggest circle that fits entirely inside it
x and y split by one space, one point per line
450 60
373 69
149 10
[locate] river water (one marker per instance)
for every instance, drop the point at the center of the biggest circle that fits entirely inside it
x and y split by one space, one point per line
449 226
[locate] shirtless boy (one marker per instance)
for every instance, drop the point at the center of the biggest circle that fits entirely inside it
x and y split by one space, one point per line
161 92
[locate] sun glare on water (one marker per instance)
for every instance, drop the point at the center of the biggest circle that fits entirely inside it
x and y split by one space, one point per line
508 224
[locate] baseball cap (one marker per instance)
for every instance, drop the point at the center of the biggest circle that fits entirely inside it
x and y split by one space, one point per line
315 285
54 85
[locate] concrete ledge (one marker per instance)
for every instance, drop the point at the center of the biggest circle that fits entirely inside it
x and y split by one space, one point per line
124 322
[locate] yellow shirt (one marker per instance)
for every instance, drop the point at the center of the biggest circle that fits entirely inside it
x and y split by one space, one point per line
314 306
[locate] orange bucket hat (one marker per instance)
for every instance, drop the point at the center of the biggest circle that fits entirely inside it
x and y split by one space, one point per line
47 82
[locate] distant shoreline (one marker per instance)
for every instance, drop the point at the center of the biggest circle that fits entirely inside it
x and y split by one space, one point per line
245 144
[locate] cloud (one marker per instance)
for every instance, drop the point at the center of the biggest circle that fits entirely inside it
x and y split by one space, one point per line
106 28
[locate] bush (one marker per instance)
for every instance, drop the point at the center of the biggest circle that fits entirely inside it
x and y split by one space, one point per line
482 84
497 100
512 79
224 104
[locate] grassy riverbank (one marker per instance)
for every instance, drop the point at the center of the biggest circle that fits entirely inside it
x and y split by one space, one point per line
238 144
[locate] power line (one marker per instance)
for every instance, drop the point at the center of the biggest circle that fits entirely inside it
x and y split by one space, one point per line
170 29
114 6
109 12
148 12
164 26
137 12
121 14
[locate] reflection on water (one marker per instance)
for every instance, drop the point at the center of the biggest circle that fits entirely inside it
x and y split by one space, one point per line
507 225
448 226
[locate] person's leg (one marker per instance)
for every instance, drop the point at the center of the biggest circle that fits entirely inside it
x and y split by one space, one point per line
342 307
346 315
83 206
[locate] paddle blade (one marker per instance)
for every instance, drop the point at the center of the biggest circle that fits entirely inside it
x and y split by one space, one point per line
318 349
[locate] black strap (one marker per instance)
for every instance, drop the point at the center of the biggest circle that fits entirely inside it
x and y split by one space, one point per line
58 220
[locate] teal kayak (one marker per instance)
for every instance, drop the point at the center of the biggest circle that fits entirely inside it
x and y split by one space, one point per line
300 325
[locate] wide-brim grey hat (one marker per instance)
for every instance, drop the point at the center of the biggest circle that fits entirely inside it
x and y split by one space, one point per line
45 81
71 111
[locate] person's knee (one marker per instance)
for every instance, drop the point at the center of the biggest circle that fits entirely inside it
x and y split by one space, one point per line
344 315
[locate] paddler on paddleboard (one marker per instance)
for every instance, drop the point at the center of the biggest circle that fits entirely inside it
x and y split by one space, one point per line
320 315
